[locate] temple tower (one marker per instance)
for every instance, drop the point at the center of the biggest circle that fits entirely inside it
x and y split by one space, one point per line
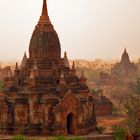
51 97
125 57
44 45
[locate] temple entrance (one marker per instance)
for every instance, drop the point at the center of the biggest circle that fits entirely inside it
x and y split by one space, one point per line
70 124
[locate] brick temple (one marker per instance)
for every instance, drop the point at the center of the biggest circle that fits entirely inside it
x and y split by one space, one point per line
125 68
45 95
122 72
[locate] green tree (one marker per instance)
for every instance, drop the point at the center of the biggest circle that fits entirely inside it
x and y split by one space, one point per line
132 104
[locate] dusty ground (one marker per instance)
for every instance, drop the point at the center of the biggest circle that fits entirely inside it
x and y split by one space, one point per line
107 122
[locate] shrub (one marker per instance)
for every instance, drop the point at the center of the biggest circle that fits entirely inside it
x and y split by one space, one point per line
119 133
137 131
115 111
100 129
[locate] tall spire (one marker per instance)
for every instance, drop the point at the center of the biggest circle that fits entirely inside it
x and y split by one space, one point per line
125 57
82 74
24 60
66 62
82 78
44 9
125 50
44 18
25 55
73 66
73 70
16 68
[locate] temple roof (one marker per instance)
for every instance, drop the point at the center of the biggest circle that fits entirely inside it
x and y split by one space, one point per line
125 57
44 43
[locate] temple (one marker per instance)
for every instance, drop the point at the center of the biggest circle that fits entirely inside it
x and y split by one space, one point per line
125 68
45 95
5 73
122 72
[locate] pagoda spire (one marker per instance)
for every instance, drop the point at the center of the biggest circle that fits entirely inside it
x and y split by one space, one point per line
24 60
25 55
66 62
82 74
16 68
125 50
73 66
44 9
44 18
82 78
125 57
73 70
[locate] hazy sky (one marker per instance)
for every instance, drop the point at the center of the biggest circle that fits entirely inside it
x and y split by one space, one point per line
88 29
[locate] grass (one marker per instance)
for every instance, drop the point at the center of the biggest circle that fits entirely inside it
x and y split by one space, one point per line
60 138
20 137
64 138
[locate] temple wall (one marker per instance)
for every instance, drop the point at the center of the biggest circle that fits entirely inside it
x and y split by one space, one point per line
21 114
103 109
3 114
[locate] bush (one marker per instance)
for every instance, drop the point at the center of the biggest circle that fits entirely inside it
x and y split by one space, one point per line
100 129
119 133
137 131
115 110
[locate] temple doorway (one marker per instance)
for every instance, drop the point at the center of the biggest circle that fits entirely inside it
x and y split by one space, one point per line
70 124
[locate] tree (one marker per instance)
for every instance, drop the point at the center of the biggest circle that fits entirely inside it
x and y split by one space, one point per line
132 105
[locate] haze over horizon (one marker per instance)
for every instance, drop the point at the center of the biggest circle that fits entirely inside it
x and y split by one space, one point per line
87 29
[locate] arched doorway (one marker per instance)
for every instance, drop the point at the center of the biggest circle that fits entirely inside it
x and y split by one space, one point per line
70 124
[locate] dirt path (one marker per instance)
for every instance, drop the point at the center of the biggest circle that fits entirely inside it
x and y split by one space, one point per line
109 121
